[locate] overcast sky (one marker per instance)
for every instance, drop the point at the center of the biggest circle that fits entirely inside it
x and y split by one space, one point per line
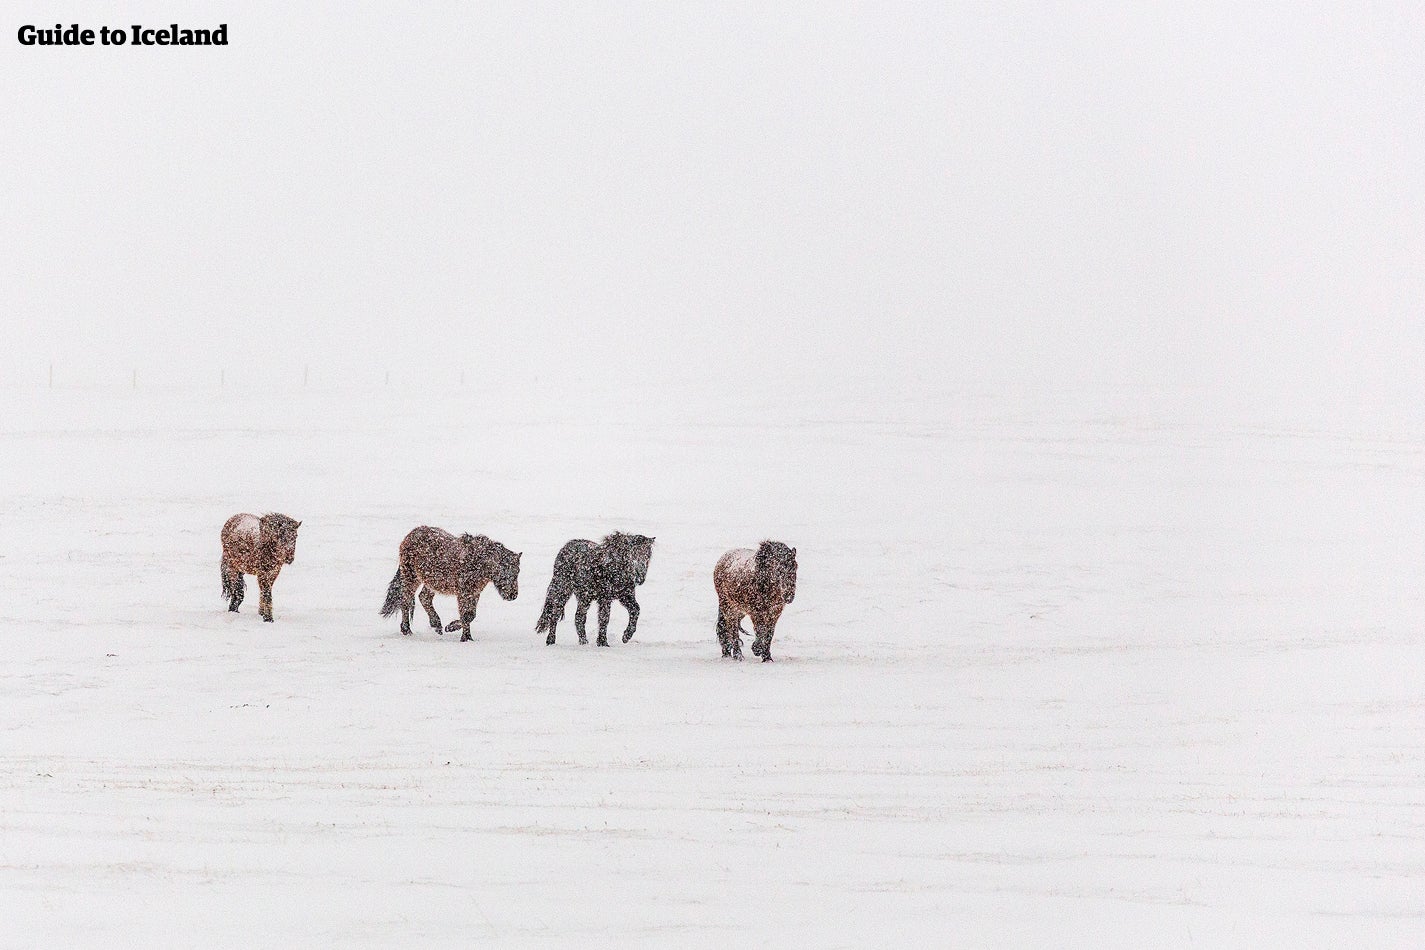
1214 194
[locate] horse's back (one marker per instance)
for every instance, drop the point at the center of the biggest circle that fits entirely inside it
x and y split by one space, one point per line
425 539
241 528
572 561
734 568
573 550
435 556
242 536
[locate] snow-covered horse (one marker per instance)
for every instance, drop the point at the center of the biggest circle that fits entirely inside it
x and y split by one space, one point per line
757 584
445 564
257 546
597 572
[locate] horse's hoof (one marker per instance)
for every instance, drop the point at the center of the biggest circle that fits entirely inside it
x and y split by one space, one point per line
549 640
584 640
266 619
627 637
232 610
766 658
603 643
465 637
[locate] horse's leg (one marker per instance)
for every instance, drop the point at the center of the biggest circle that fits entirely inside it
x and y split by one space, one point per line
729 630
239 587
606 607
764 626
581 614
631 605
264 601
428 602
734 633
409 583
466 603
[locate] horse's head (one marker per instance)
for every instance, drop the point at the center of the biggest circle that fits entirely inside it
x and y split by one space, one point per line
636 549
777 563
507 573
786 574
281 532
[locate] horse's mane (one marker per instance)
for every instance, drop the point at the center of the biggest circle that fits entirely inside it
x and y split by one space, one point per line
278 523
483 546
621 541
476 546
769 551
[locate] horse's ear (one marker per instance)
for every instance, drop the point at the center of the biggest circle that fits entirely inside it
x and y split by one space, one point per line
299 524
794 552
651 540
518 555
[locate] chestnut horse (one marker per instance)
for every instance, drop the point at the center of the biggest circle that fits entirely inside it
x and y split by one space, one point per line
757 584
258 546
445 564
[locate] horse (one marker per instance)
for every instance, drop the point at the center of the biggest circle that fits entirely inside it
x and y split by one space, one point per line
603 572
757 584
258 546
445 564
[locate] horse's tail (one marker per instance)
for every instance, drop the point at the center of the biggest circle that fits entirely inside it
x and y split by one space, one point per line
560 587
393 596
227 580
725 628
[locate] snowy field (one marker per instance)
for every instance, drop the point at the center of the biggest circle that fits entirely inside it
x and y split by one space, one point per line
1094 673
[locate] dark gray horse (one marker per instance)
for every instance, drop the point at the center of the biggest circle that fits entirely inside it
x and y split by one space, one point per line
603 572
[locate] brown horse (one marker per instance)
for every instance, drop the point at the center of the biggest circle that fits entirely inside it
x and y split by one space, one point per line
445 564
258 546
757 584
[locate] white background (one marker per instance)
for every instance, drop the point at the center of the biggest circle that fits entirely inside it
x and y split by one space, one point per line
1076 349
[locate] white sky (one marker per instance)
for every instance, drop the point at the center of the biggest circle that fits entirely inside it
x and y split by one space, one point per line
1221 194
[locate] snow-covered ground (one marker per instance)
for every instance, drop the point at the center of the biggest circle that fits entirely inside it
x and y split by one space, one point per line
1107 673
